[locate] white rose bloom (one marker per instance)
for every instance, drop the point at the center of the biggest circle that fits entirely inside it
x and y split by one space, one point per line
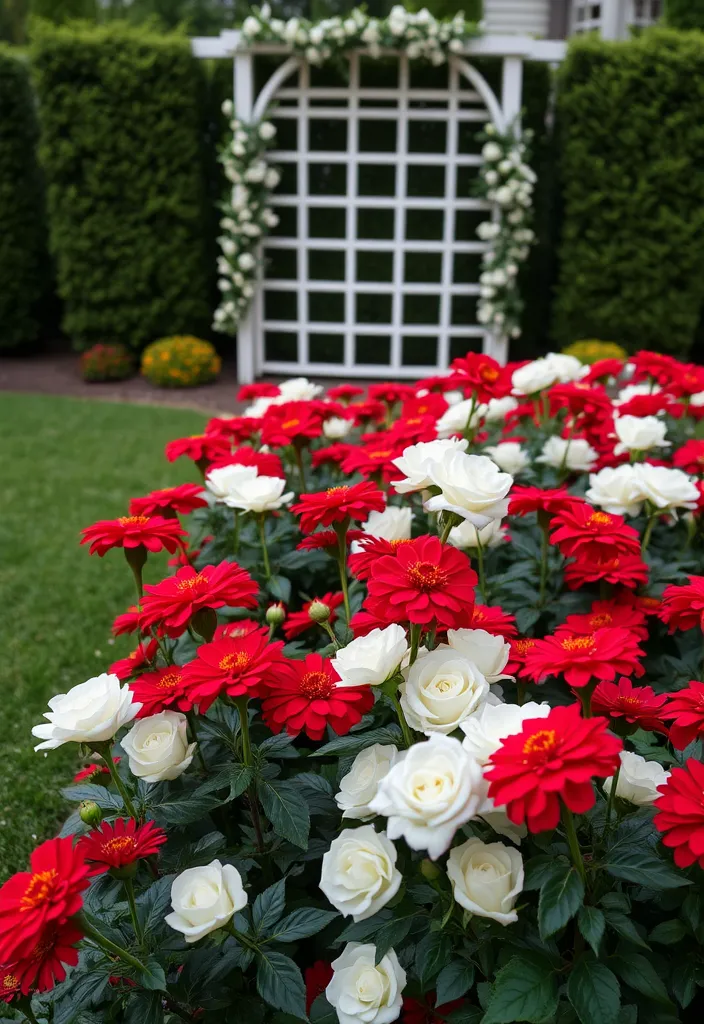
259 494
371 659
359 786
616 490
417 459
635 391
204 899
364 992
456 419
299 389
467 536
431 790
224 482
246 261
394 523
488 652
250 26
639 434
158 747
697 400
486 879
491 151
440 690
638 779
90 713
567 368
359 874
485 731
498 409
472 486
575 454
533 377
508 456
666 488
337 427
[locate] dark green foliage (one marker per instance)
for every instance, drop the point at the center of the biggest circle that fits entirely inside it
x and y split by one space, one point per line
23 261
631 155
685 14
63 10
121 146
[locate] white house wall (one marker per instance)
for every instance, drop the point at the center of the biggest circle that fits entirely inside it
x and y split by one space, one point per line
526 17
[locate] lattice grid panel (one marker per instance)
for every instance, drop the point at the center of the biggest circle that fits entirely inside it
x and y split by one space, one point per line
374 266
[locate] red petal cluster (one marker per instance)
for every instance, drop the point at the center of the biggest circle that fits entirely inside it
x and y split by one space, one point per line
681 813
119 843
134 531
683 607
169 501
686 711
604 654
336 504
235 666
638 706
172 603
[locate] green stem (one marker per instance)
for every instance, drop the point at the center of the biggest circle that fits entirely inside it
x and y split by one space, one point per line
261 519
25 1006
405 731
544 548
480 568
611 797
106 750
129 890
469 431
446 527
648 531
298 455
585 697
253 799
236 540
111 947
415 642
341 531
575 851
247 943
328 629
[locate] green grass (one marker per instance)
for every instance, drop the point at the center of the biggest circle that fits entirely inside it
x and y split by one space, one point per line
64 463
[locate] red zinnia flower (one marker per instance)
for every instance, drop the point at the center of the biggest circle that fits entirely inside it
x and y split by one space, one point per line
606 613
626 570
345 392
175 600
366 412
414 429
683 607
375 455
686 709
143 654
267 463
159 690
327 540
236 666
582 531
415 1012
639 706
605 654
306 698
603 368
128 622
43 965
182 499
120 842
234 428
10 985
372 548
298 622
363 622
591 403
91 770
317 978
480 375
250 392
47 895
242 627
334 455
291 423
533 499
493 620
660 367
680 813
690 457
425 582
202 448
349 501
151 532
431 404
391 393
550 760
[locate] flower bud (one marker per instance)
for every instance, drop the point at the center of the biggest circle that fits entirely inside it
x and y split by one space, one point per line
429 871
90 813
319 612
275 615
205 621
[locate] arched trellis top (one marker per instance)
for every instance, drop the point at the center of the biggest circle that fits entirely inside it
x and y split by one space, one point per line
282 313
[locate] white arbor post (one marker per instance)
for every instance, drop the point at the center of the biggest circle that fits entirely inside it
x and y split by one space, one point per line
244 104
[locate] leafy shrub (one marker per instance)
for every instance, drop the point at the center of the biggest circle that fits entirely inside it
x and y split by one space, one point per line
23 261
121 148
685 14
631 153
592 351
180 362
107 362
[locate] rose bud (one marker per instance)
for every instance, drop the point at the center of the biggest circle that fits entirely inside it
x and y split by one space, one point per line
90 813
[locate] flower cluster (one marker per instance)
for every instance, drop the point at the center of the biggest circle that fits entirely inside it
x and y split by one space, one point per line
413 724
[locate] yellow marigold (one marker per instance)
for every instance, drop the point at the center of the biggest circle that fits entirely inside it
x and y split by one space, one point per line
591 351
181 361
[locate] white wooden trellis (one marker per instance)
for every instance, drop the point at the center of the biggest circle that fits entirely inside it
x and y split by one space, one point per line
282 332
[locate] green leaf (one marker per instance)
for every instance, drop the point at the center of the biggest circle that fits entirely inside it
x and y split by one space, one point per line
542 868
144 1008
184 809
594 992
235 777
269 906
639 973
667 933
432 953
280 588
347 746
643 868
153 978
454 981
101 795
278 746
154 904
287 811
280 983
624 927
524 990
560 899
393 933
321 1012
301 924
591 923
684 981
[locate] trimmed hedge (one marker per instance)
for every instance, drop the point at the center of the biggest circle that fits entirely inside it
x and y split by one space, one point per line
685 14
23 262
632 168
121 118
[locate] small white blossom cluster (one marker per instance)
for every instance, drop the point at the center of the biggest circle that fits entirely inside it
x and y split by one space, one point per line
247 215
507 181
418 33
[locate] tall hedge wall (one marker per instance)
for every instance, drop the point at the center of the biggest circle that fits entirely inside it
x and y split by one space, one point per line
632 170
120 111
685 14
23 264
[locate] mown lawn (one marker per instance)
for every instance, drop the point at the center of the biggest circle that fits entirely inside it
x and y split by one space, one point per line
64 463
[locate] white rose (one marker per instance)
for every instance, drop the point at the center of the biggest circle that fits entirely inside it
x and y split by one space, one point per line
359 786
246 261
90 713
638 779
204 899
224 482
575 454
472 486
488 652
158 747
485 731
459 417
491 151
394 523
488 230
250 26
566 368
616 490
364 991
440 690
359 874
259 494
697 400
533 377
416 461
337 427
371 659
299 389
639 434
635 391
486 879
433 789
508 456
666 488
498 409
467 536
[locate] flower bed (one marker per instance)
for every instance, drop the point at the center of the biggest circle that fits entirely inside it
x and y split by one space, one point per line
410 732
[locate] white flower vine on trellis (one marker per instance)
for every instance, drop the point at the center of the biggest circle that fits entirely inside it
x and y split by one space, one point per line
506 180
